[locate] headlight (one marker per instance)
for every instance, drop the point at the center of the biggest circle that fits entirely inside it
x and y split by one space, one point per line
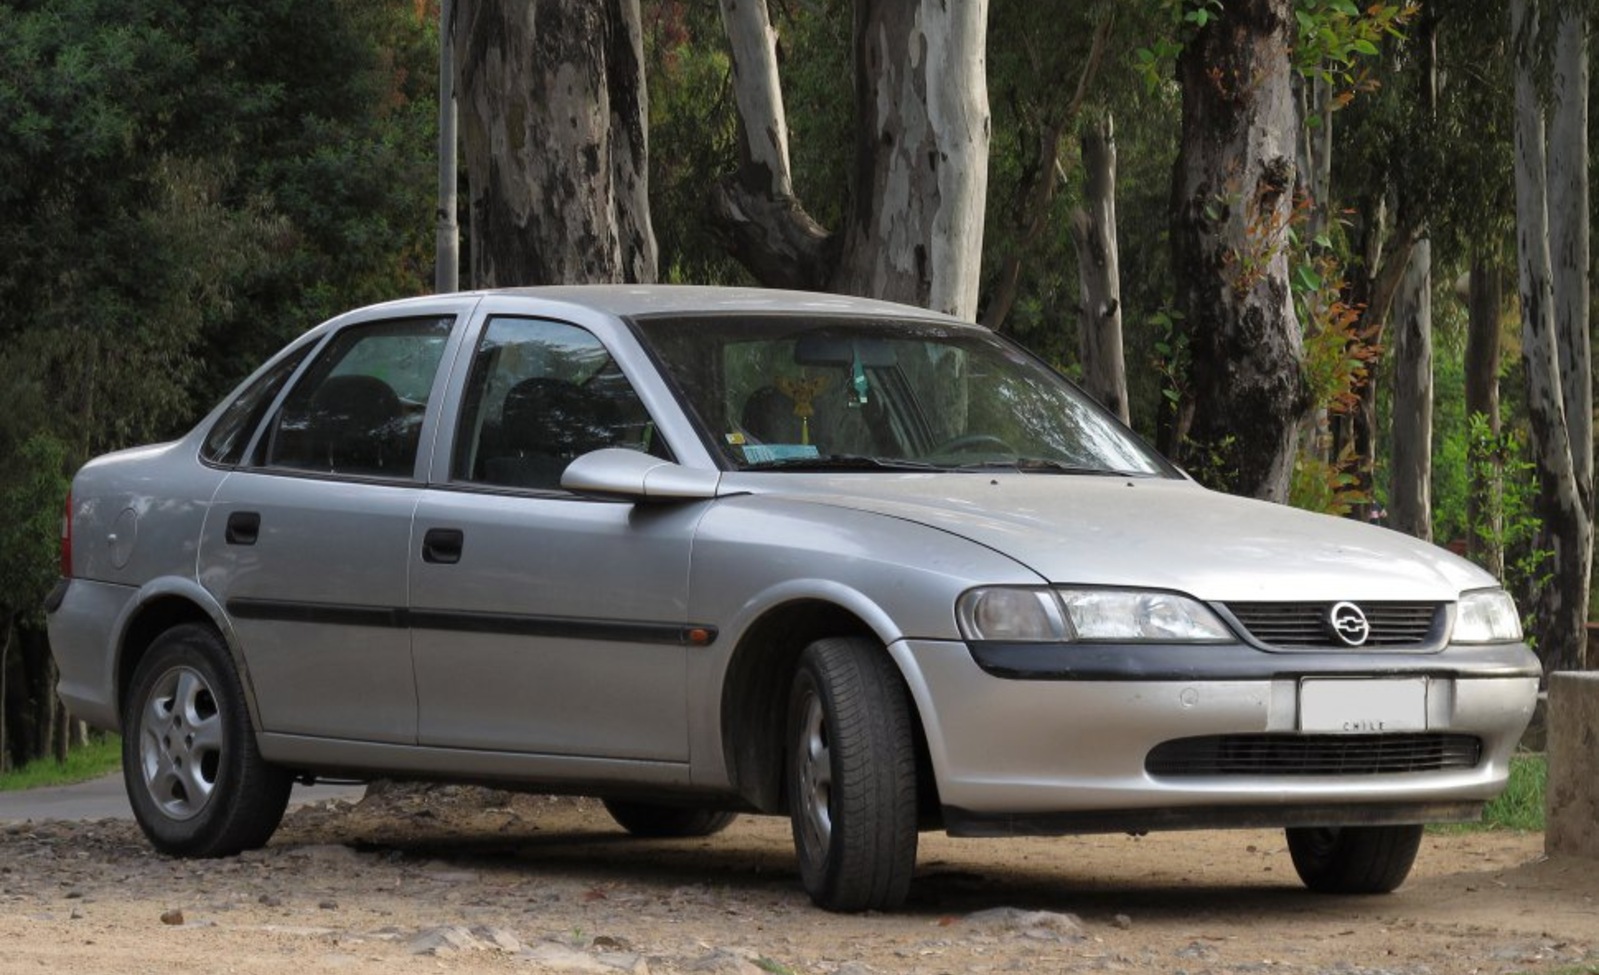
1098 615
1487 616
1141 617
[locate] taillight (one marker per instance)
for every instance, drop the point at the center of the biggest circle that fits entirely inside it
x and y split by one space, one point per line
66 539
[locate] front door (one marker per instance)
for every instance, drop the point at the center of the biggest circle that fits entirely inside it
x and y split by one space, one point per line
542 622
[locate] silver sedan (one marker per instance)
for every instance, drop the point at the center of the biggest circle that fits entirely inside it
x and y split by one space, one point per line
701 551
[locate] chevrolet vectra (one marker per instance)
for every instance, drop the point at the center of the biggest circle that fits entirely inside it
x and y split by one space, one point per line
700 552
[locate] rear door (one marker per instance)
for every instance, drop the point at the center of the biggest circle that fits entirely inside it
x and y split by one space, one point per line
307 542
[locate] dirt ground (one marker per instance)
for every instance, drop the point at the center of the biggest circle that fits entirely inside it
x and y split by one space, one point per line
451 882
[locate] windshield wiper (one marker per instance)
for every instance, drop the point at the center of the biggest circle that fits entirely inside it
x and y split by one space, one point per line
1044 465
844 462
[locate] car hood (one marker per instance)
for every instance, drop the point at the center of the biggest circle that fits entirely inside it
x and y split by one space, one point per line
1149 533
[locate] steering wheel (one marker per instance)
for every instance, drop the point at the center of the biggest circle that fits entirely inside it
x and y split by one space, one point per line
971 442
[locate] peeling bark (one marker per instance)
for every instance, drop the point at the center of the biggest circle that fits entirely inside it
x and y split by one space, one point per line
553 113
1410 500
1231 197
914 229
1093 230
1551 240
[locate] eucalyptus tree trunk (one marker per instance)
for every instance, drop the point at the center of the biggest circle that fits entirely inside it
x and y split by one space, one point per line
1552 248
766 228
1410 494
1231 203
553 115
1314 150
1484 509
1093 229
913 231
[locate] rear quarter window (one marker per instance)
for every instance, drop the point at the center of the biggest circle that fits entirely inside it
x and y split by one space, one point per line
230 437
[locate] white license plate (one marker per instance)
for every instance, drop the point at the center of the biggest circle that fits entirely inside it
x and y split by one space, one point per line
1363 707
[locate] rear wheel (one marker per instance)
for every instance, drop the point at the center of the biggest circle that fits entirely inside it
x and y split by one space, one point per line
657 821
195 779
852 776
1354 859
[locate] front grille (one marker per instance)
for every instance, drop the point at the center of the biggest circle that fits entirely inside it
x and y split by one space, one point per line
1313 754
1304 625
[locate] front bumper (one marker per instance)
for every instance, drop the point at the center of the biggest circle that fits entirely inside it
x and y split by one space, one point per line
1060 745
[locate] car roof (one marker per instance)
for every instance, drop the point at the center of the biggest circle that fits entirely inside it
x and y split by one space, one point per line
629 300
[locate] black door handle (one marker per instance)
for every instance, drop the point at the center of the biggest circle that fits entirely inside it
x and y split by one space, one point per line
442 546
244 527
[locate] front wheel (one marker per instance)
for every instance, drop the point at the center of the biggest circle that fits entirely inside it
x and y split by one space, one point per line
852 776
195 779
1354 859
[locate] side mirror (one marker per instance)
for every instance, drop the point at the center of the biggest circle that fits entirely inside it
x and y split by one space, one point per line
619 473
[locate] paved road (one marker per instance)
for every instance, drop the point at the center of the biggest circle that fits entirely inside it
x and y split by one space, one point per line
105 799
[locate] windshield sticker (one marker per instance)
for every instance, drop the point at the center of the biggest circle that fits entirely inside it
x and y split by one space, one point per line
765 453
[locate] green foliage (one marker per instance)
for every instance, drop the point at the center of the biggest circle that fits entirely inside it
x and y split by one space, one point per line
33 491
102 756
1528 568
693 137
1521 806
1331 37
183 185
1335 34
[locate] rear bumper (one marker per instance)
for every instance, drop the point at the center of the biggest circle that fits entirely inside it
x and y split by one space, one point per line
1063 755
83 625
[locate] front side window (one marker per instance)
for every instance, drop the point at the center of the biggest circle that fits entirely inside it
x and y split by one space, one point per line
796 392
540 394
358 409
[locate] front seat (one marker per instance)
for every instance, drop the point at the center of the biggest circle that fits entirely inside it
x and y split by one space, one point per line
544 424
357 427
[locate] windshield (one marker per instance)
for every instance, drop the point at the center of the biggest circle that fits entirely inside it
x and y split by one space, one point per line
797 392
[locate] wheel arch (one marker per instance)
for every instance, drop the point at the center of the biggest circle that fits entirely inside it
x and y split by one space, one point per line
159 607
756 687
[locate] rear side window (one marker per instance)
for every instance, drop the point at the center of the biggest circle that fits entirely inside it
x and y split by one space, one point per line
227 441
359 408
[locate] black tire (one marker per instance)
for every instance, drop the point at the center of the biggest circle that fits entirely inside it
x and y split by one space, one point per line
656 821
195 778
1354 859
851 776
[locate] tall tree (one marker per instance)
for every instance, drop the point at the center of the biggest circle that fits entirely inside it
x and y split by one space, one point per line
554 118
1410 499
913 229
183 185
1093 229
1484 515
1231 205
1552 246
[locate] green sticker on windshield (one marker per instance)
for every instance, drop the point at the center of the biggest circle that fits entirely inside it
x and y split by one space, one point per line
765 453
